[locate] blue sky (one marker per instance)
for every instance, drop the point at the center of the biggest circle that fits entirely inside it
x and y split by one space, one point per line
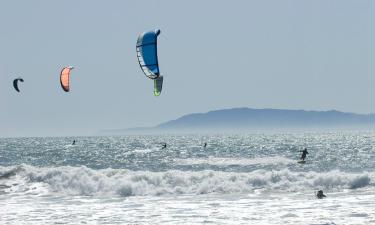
316 55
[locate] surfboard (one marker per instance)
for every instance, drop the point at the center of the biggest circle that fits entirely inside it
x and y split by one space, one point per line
301 161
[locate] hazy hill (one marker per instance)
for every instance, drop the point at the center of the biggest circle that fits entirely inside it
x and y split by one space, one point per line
250 119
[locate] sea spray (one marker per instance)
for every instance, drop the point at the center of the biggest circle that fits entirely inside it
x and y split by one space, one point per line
85 181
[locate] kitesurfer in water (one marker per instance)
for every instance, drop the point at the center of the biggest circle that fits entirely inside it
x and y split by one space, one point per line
205 145
164 146
74 142
304 153
320 194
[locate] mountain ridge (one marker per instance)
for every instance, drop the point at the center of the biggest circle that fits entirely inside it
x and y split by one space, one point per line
249 118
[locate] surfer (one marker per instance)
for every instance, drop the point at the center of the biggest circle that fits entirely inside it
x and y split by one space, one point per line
205 145
304 153
74 142
320 194
164 146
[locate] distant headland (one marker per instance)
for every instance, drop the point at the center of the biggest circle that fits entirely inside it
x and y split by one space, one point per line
242 119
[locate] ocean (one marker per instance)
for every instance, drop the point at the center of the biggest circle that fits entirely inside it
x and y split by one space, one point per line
237 179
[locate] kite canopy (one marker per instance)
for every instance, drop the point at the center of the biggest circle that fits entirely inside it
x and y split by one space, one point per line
15 83
158 85
147 53
64 77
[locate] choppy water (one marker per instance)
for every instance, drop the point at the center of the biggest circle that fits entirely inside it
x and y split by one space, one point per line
237 179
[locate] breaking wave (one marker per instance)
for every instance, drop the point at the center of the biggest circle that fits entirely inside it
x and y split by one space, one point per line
121 182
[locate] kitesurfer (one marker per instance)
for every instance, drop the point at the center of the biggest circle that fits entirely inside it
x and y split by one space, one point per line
320 194
205 145
304 153
164 146
74 142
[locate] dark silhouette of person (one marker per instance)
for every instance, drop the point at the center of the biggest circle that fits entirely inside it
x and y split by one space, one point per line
164 146
304 153
320 194
74 142
205 145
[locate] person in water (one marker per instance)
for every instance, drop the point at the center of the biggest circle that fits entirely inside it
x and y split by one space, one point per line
164 146
304 153
74 142
205 145
320 194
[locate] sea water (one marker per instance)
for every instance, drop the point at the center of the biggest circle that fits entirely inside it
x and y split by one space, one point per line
236 179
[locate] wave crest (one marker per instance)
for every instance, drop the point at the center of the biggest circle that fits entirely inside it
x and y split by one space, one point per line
120 182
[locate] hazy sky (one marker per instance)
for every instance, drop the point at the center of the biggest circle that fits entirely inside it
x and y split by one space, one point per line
317 55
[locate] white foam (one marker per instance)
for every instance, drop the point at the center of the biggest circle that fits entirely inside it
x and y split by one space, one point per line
235 161
144 151
85 181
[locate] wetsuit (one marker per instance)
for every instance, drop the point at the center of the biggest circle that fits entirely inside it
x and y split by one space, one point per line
304 153
320 194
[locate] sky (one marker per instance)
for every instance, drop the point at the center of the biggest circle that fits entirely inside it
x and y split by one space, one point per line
312 55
